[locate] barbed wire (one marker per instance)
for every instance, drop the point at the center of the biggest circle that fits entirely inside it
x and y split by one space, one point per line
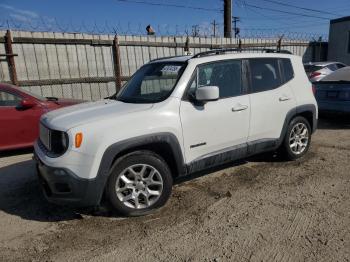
43 24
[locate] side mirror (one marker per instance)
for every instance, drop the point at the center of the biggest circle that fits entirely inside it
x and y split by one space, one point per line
207 93
27 103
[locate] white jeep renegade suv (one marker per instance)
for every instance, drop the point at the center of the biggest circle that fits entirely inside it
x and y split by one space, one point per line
175 116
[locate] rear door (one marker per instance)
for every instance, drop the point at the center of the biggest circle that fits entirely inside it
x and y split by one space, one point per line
271 98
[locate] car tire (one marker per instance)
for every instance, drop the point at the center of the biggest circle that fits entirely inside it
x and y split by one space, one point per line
297 140
139 183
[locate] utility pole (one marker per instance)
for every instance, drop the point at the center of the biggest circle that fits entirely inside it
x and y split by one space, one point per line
228 18
195 30
235 28
214 27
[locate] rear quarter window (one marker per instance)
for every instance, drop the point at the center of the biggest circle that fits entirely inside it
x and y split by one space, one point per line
287 69
265 74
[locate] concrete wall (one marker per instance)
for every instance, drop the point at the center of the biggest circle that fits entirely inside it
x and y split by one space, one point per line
338 47
47 61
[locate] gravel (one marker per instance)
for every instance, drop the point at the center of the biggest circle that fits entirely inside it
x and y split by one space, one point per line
261 209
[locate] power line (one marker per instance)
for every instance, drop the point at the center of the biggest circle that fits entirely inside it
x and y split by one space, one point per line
285 12
296 25
170 5
299 7
290 25
282 20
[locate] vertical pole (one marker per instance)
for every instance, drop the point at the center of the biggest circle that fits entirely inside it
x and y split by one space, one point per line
187 45
313 46
175 45
279 43
235 29
319 52
227 18
117 64
214 28
10 58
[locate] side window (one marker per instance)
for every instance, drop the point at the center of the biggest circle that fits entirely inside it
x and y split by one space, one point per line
287 69
332 67
227 75
340 66
265 74
7 99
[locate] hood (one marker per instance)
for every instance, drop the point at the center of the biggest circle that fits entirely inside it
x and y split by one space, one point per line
72 116
61 102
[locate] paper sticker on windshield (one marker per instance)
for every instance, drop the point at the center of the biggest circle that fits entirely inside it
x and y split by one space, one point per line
170 69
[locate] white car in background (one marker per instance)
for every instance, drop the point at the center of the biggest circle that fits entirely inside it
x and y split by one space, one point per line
318 70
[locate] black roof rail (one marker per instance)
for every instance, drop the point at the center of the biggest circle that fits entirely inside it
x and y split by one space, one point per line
225 50
165 57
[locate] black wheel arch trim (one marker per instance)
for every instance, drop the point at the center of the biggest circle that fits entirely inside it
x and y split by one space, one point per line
113 150
309 108
297 111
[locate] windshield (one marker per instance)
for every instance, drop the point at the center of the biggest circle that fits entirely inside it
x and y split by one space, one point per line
30 93
152 83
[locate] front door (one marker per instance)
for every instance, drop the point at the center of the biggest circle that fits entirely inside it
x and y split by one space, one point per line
18 127
217 126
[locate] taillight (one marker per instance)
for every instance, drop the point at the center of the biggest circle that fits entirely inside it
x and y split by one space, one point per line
314 89
314 74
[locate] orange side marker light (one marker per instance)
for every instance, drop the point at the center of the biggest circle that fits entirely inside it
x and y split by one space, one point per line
78 139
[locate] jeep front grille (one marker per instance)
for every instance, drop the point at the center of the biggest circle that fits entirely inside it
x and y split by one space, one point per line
54 141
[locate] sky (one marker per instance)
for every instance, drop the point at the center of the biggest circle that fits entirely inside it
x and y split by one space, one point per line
132 16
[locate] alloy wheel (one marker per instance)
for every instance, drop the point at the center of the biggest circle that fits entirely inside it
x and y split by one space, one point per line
299 138
139 186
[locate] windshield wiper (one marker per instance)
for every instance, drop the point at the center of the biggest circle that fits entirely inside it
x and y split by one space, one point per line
110 97
51 98
138 100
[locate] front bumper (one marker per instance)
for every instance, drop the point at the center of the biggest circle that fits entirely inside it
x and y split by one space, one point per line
62 186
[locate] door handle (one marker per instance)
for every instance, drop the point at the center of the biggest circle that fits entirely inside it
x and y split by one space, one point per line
239 108
284 98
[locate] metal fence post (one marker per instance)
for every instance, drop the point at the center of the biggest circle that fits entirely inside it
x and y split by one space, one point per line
10 58
175 45
187 45
117 63
279 43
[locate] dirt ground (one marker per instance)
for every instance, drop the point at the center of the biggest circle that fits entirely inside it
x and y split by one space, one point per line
262 209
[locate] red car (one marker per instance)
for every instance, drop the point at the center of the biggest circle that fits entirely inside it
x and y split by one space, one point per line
20 112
